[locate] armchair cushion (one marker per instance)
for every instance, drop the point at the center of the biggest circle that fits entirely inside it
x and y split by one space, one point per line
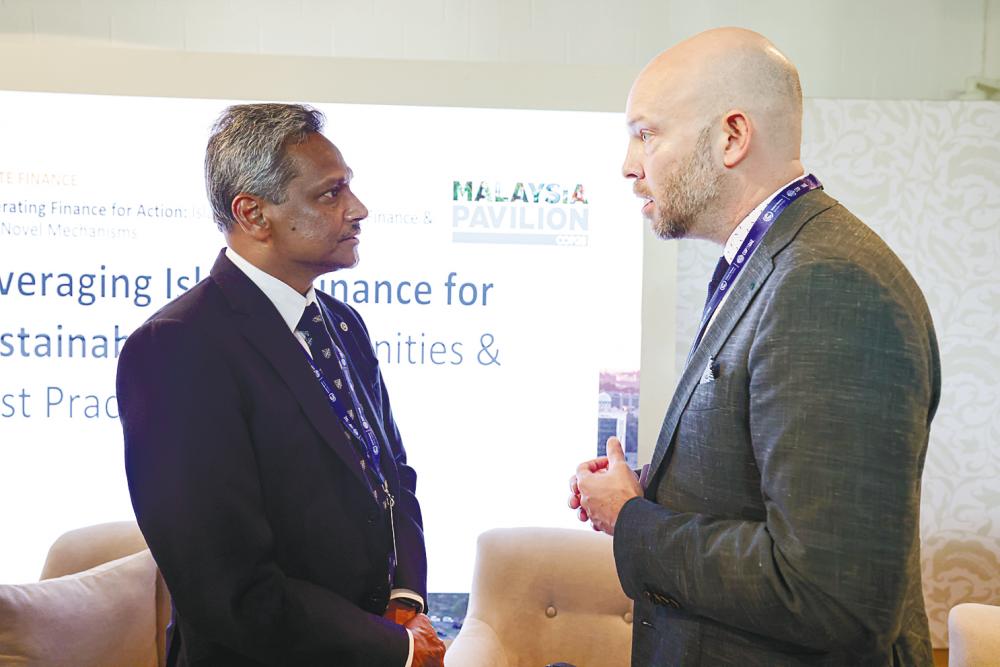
974 634
101 617
542 595
479 646
83 548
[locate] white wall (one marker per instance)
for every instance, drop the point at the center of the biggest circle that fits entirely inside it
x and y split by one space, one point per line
886 49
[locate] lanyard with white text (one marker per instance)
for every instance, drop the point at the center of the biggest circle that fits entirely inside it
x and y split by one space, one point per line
760 226
366 436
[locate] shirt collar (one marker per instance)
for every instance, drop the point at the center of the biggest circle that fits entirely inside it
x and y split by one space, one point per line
289 303
740 233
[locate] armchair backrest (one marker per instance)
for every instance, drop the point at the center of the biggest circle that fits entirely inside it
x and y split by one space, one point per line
83 548
548 595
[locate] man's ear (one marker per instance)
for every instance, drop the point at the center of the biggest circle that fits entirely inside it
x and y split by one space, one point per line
249 216
738 130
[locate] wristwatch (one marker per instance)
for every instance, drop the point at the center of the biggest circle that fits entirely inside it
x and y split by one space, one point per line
415 605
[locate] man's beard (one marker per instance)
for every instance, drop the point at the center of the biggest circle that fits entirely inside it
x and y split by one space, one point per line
687 191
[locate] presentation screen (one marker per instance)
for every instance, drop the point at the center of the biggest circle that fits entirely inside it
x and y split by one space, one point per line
499 278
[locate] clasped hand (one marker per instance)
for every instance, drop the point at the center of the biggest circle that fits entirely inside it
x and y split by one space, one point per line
428 649
602 486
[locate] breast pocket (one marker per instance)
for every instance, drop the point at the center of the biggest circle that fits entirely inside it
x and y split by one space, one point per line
712 392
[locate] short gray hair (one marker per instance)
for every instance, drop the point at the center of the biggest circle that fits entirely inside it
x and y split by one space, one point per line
248 152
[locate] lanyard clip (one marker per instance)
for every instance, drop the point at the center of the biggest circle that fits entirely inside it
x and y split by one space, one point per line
391 503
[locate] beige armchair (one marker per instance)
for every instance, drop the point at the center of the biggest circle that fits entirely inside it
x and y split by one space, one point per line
974 635
100 603
543 595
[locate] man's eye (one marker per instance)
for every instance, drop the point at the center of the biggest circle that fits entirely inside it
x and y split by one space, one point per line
645 135
332 193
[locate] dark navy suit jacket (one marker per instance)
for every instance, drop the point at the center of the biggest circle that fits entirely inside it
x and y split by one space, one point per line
249 492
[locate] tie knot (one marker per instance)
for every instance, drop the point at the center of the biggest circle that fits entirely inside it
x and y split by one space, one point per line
311 320
720 270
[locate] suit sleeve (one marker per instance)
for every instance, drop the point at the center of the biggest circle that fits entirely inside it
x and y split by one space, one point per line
194 483
841 392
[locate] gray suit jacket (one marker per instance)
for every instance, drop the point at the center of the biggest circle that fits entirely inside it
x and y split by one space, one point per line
780 525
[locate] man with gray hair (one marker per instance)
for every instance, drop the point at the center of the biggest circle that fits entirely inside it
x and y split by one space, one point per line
779 519
265 469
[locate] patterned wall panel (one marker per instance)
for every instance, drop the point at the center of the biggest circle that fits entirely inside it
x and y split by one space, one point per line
926 177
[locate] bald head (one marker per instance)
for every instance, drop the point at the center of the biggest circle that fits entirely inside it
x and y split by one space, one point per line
730 103
731 68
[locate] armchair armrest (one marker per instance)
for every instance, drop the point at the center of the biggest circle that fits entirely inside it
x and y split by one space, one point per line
974 635
476 645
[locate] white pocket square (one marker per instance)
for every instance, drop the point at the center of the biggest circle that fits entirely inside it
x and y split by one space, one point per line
711 372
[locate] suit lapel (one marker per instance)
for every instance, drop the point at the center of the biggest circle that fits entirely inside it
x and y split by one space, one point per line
259 322
757 271
758 268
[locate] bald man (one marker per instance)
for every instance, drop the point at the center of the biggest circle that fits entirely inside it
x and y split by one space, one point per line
778 524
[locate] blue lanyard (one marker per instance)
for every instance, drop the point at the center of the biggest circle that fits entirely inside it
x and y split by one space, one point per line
366 435
760 226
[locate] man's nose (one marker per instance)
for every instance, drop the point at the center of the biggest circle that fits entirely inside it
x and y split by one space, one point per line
632 166
358 210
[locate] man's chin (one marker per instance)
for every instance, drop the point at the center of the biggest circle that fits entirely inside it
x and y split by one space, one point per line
654 221
349 260
669 230
341 261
